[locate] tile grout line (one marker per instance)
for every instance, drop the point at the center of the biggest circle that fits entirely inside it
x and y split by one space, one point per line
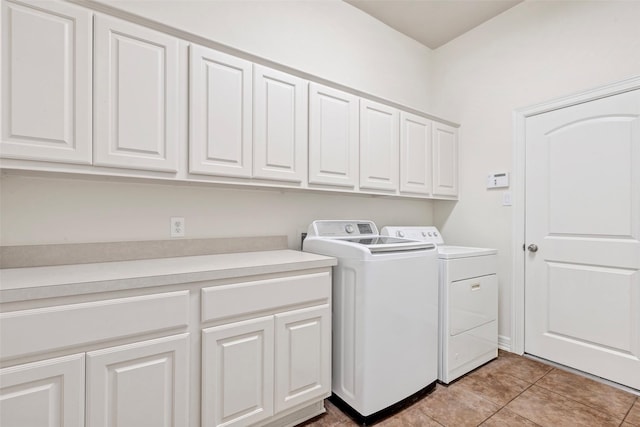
588 405
581 403
531 384
629 411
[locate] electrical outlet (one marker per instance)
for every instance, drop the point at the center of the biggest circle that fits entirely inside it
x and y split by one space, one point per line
177 226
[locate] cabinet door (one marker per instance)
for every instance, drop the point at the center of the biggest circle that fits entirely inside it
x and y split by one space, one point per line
136 97
445 160
378 146
44 394
220 113
141 384
333 137
279 125
46 82
303 356
415 154
237 373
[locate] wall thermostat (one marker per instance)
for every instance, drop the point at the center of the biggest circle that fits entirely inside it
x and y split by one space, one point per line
498 180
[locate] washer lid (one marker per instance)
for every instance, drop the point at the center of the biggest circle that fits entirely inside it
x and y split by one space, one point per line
453 252
389 244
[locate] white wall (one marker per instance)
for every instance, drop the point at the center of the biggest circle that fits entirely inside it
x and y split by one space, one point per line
43 210
536 51
329 39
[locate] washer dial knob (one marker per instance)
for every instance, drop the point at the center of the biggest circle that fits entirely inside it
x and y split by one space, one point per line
349 228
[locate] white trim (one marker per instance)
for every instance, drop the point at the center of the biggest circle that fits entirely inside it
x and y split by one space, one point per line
518 176
504 343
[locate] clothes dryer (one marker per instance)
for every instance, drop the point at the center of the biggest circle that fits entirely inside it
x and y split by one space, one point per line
468 302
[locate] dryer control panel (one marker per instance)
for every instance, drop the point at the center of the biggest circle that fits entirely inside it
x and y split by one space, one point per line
422 233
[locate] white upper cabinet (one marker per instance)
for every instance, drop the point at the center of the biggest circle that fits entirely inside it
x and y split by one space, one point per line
46 82
279 125
415 154
333 137
136 97
445 160
378 146
220 118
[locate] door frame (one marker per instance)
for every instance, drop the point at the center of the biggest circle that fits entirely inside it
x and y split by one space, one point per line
519 210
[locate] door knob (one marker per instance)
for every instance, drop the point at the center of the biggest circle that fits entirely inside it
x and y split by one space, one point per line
533 247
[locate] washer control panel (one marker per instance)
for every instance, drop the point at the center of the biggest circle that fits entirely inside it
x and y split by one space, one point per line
423 233
337 228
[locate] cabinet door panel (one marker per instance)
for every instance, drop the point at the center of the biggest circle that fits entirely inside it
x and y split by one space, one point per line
303 356
46 82
378 146
141 384
445 160
47 394
237 373
333 137
280 125
136 87
415 154
220 114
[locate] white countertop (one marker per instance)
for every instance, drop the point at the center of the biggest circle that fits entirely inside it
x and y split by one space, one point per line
18 284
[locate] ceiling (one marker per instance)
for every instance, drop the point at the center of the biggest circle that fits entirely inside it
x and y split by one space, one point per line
433 22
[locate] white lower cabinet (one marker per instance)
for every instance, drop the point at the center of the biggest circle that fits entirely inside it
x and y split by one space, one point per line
240 384
260 369
237 373
302 348
132 359
140 384
48 393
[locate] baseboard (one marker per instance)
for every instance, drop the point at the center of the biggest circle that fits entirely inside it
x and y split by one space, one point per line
504 343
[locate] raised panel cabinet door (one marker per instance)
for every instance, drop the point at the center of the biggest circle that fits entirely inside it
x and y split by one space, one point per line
144 384
279 125
220 132
303 356
415 154
237 373
49 393
136 97
333 137
445 160
46 82
379 152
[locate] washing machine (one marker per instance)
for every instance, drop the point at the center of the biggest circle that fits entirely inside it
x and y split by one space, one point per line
385 317
468 327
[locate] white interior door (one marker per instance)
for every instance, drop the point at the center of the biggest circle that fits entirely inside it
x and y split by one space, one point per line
582 285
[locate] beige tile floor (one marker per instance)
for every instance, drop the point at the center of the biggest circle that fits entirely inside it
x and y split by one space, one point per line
511 391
